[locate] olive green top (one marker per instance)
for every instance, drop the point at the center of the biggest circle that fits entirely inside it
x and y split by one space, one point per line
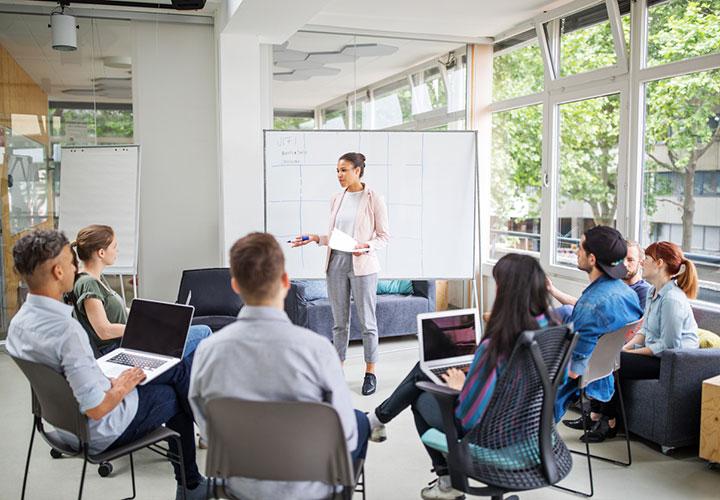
88 287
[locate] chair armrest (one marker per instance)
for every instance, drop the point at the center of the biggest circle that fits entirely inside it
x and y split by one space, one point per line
295 303
425 288
446 398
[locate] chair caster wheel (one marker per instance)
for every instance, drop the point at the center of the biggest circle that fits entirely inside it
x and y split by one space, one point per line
54 453
105 469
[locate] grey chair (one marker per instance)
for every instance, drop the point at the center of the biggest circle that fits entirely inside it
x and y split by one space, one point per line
514 446
278 441
53 402
604 361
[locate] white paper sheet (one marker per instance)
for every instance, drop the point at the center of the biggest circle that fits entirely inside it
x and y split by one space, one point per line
343 242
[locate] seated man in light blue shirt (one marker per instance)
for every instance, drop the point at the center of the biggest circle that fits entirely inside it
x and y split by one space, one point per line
264 357
118 410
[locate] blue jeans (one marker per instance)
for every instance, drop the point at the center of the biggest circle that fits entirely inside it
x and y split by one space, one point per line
164 400
363 426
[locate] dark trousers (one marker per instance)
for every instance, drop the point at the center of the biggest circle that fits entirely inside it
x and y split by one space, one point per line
425 409
632 367
363 427
165 401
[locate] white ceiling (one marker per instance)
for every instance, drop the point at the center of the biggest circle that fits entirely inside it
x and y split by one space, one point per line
467 18
28 39
354 75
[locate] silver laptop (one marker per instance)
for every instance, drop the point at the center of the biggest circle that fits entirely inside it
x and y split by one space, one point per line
448 339
154 339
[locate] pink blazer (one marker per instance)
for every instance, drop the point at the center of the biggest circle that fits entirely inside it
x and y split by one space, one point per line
371 227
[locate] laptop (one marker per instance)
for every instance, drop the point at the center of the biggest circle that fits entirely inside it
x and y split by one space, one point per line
448 339
154 339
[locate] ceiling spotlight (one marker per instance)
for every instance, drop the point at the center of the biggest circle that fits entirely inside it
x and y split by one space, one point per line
64 30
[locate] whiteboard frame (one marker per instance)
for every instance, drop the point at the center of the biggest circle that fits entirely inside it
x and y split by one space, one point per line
476 208
119 270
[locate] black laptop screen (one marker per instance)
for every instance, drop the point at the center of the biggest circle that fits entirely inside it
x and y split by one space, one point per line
157 327
449 336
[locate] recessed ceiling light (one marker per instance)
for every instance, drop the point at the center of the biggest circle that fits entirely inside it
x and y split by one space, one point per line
117 62
369 50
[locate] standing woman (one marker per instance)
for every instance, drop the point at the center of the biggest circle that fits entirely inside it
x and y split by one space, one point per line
99 309
360 212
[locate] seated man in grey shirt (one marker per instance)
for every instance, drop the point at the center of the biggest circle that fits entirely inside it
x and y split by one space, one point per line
118 410
264 357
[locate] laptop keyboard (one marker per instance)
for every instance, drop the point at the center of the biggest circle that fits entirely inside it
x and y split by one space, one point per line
438 371
135 360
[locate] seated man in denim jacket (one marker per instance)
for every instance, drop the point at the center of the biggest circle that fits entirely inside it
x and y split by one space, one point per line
604 306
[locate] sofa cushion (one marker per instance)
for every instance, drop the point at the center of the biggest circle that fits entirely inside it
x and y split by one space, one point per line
214 322
315 289
708 339
386 287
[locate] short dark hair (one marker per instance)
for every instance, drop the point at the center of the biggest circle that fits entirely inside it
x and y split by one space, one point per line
36 248
357 160
257 263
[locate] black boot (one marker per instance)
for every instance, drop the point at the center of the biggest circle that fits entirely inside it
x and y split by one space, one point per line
600 431
369 384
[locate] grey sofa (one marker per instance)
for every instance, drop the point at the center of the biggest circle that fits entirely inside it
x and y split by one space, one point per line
396 314
667 411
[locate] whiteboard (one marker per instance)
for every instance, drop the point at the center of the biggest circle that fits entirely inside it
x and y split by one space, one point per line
99 185
428 181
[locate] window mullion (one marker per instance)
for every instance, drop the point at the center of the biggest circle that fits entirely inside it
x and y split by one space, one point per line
617 33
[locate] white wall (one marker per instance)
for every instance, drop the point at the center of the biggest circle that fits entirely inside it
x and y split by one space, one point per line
245 110
174 105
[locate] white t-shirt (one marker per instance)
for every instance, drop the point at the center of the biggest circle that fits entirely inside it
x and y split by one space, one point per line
346 216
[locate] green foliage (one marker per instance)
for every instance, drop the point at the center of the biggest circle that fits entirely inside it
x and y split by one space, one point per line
518 73
292 122
680 120
99 123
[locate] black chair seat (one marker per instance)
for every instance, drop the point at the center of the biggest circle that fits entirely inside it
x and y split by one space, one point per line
160 434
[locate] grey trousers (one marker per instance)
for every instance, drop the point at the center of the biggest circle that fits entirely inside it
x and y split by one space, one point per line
341 280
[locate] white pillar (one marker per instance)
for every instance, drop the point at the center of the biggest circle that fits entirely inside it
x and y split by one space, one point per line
245 105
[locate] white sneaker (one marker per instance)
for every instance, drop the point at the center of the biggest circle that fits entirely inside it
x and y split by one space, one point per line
378 434
441 490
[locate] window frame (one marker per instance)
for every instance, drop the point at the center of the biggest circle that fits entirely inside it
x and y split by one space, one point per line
627 78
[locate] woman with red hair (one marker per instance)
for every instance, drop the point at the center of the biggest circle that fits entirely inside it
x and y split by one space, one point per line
668 322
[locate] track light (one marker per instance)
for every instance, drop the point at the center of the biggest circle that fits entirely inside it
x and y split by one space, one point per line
64 30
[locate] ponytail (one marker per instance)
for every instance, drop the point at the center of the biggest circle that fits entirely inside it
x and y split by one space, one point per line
687 280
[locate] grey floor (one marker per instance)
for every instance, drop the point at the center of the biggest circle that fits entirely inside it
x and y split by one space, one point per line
396 469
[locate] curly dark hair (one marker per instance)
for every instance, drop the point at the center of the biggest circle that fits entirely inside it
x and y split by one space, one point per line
35 248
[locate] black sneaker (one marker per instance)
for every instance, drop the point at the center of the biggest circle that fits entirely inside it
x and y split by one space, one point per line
369 384
600 431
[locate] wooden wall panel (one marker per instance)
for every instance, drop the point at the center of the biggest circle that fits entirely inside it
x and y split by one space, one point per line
22 97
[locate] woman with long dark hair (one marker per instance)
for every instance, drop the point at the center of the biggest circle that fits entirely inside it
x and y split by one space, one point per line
522 303
361 213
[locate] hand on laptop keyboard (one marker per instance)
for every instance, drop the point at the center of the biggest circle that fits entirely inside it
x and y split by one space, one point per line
128 379
454 377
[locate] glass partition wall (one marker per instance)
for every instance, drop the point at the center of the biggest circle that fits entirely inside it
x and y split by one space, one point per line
52 99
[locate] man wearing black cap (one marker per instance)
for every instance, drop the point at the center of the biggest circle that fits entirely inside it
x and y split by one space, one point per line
604 306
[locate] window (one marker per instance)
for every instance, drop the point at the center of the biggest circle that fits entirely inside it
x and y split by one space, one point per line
335 117
392 104
588 160
679 29
518 72
429 91
361 112
515 175
586 41
293 120
682 166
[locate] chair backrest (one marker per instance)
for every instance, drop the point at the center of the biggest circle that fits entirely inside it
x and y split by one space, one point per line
605 358
53 400
276 441
518 428
212 294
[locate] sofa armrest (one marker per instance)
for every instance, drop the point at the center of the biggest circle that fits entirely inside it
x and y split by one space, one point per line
682 372
425 288
295 303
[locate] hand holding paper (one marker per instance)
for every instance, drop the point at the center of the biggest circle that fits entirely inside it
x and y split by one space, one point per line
343 242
